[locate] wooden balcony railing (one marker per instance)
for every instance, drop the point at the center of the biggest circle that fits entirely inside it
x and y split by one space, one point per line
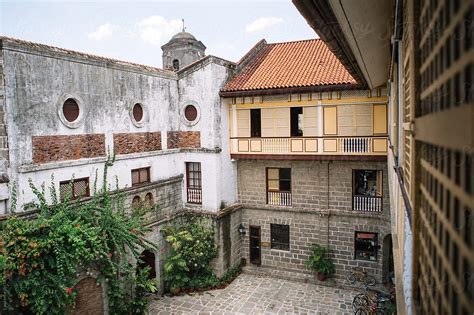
367 203
375 145
279 198
195 195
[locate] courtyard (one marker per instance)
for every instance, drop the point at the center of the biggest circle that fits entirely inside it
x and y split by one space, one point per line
257 294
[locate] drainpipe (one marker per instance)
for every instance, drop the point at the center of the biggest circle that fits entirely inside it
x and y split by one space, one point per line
327 207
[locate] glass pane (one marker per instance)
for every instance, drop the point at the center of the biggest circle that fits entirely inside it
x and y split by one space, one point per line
285 173
273 173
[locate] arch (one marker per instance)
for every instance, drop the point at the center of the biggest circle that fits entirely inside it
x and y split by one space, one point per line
175 64
148 260
387 259
89 299
136 201
149 200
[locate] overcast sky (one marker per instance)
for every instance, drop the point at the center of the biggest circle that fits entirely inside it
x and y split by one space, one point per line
135 30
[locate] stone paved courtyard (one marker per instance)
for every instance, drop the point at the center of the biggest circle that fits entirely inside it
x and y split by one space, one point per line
255 294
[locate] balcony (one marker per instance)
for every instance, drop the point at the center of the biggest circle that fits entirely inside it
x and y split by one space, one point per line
367 203
279 198
374 145
194 195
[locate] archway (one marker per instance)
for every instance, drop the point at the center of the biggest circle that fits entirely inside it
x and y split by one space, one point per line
148 260
89 298
387 262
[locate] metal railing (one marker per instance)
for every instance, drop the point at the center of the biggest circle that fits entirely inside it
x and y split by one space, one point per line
195 195
367 203
279 198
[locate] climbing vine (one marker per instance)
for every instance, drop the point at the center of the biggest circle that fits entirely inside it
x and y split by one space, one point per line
40 258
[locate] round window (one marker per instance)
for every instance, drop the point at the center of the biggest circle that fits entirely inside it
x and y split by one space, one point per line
190 112
138 112
70 110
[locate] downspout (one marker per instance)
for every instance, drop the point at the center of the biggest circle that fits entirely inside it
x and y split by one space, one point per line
327 207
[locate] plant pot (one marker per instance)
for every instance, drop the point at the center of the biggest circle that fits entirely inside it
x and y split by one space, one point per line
175 290
322 276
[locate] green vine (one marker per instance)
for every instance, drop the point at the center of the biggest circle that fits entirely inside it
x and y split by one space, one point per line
40 258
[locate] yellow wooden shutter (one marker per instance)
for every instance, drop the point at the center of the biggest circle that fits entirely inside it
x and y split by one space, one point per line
330 120
380 119
310 119
282 122
243 123
268 122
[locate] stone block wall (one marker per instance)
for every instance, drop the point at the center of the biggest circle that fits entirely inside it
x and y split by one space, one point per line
125 143
183 139
309 218
60 148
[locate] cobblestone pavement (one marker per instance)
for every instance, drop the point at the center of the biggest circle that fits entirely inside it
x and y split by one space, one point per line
254 294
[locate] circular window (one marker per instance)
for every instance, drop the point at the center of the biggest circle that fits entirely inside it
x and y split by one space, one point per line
190 112
70 110
137 112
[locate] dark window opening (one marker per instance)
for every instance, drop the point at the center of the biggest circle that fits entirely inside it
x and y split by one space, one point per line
136 202
176 65
148 260
74 189
365 246
296 120
140 176
280 236
190 112
137 112
70 110
367 183
255 123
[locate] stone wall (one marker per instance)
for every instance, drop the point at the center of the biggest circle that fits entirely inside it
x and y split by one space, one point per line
309 218
184 139
125 143
60 148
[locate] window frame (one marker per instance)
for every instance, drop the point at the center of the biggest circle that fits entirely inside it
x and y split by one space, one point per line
73 195
140 182
199 177
375 250
255 124
294 118
277 245
279 179
378 173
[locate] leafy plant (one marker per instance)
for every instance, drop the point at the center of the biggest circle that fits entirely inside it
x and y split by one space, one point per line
319 260
39 258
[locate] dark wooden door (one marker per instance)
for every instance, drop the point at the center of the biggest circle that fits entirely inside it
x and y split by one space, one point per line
255 251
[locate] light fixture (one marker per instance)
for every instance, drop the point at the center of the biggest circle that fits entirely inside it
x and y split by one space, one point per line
241 229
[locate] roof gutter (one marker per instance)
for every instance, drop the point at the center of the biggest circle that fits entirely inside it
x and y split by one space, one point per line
319 15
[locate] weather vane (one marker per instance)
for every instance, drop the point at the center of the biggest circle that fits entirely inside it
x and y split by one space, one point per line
184 28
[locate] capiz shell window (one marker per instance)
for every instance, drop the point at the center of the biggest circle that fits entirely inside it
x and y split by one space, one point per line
365 246
74 189
70 110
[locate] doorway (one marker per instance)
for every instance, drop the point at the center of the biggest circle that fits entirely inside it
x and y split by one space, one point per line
255 251
387 262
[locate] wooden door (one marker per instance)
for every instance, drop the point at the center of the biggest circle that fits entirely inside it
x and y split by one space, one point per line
255 251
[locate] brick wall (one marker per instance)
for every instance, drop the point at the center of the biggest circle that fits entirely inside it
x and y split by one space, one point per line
125 143
61 148
307 217
184 139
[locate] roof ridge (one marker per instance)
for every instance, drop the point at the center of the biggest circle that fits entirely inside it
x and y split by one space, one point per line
83 54
296 41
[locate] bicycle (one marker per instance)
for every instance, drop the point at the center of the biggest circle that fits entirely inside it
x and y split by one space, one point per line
360 275
372 301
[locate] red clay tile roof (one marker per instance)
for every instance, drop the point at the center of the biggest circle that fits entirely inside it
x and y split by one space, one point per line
297 64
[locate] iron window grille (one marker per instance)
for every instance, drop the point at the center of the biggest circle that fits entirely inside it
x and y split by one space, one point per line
76 188
280 236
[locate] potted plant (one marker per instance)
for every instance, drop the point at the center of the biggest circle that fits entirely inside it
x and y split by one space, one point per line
319 261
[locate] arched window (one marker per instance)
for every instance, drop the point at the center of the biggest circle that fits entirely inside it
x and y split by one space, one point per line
176 65
148 260
149 200
136 202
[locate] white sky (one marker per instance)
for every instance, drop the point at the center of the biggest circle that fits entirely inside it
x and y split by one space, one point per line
135 30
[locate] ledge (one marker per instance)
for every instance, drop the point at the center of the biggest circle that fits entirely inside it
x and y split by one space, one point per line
27 168
315 157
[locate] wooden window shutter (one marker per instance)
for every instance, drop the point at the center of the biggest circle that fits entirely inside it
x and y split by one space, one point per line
310 120
243 123
330 120
380 119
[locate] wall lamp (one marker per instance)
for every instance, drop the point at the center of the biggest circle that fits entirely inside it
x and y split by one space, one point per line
241 229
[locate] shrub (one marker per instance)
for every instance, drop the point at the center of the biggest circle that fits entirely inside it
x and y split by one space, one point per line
319 261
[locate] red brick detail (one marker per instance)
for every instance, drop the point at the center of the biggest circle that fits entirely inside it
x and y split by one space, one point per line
126 143
62 148
184 139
